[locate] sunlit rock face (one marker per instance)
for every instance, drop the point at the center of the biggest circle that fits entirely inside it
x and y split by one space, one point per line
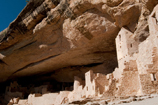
68 37
55 38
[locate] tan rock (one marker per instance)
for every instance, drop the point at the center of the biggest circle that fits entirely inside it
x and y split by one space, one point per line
56 37
83 38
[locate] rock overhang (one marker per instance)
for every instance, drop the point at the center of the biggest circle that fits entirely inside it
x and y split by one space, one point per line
66 36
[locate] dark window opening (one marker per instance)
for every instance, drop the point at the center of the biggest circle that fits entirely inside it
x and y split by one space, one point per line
120 37
131 45
153 77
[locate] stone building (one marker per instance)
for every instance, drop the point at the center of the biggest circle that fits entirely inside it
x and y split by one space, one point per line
94 85
137 67
147 57
138 62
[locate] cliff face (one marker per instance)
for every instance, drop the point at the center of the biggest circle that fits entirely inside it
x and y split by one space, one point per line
54 40
65 38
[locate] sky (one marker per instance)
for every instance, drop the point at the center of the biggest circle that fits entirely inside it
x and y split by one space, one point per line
9 10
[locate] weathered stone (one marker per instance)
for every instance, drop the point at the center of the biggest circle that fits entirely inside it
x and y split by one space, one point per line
110 46
57 42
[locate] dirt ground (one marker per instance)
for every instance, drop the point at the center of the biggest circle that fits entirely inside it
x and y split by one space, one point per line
150 101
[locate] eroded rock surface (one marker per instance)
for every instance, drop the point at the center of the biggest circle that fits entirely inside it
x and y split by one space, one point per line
56 36
60 39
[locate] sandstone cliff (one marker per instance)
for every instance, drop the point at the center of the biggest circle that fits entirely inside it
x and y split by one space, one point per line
69 37
60 39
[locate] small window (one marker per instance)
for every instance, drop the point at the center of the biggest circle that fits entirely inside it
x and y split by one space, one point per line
153 77
120 37
131 45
